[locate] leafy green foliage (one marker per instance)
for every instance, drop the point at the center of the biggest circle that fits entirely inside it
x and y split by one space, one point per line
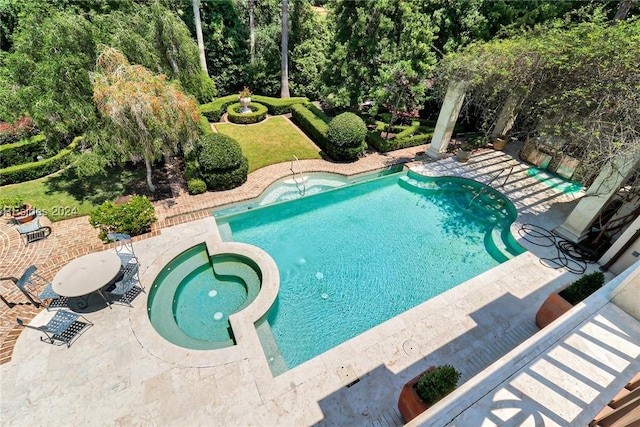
583 287
205 126
221 163
134 217
346 136
196 186
257 114
437 383
370 36
315 127
10 203
216 108
577 84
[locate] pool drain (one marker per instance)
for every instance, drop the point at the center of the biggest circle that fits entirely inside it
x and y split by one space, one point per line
213 293
218 316
324 295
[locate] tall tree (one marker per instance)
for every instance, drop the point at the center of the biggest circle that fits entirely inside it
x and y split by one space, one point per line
284 83
252 32
198 22
146 116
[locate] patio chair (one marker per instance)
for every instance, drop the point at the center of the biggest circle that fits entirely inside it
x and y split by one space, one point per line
124 248
33 231
63 328
30 282
128 287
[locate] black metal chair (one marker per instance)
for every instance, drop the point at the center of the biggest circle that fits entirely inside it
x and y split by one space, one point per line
63 328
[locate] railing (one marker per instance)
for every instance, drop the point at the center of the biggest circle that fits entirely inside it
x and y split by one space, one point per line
491 181
301 185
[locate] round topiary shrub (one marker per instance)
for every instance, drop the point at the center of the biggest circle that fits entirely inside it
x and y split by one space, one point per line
221 163
257 114
196 186
346 135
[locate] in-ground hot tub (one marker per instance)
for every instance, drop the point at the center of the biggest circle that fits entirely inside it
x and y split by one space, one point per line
191 299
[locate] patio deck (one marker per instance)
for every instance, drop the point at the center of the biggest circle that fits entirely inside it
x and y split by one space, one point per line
115 374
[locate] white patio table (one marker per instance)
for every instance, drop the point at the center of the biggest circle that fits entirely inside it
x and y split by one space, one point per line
87 274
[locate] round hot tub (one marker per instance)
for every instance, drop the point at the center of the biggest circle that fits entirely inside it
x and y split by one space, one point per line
191 299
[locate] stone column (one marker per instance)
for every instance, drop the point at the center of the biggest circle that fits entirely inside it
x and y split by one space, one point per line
505 120
577 225
447 119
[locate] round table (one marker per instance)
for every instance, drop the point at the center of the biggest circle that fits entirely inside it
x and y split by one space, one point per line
87 274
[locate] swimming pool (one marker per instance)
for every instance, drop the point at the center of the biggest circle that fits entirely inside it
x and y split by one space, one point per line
356 256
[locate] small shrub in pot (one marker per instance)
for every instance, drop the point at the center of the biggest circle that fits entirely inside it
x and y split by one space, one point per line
437 383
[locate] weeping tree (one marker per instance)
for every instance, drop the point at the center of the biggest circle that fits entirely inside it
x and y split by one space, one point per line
145 116
579 85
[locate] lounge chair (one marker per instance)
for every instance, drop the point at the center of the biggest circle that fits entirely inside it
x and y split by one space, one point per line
63 328
33 231
30 282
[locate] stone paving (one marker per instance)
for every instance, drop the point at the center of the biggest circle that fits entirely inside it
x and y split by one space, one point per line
76 237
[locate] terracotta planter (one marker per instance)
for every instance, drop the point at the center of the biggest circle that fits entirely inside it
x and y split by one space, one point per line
409 403
499 144
552 308
26 214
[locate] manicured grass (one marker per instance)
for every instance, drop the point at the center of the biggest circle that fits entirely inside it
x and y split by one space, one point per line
272 141
64 195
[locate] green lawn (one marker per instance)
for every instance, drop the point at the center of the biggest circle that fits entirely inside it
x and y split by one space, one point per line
64 195
272 141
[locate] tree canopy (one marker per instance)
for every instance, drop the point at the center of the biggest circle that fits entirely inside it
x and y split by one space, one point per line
580 85
145 116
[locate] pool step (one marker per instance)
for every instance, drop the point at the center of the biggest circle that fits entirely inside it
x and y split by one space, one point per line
230 266
226 234
270 347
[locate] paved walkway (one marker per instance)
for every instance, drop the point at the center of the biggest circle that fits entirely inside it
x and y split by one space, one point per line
76 237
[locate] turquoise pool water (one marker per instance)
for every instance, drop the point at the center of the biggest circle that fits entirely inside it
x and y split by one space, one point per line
354 257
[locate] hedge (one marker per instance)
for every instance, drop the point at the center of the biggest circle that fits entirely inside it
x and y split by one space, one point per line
205 126
215 109
346 135
278 106
257 114
375 140
24 151
220 163
312 125
317 111
34 170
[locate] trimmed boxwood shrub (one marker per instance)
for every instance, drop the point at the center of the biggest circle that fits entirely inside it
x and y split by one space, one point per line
23 151
278 106
34 170
257 114
437 383
312 125
346 136
317 111
215 109
583 287
204 124
221 164
196 186
134 217
382 145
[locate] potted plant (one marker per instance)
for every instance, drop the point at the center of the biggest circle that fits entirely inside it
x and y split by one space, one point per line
10 205
500 142
563 300
245 99
464 152
426 389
